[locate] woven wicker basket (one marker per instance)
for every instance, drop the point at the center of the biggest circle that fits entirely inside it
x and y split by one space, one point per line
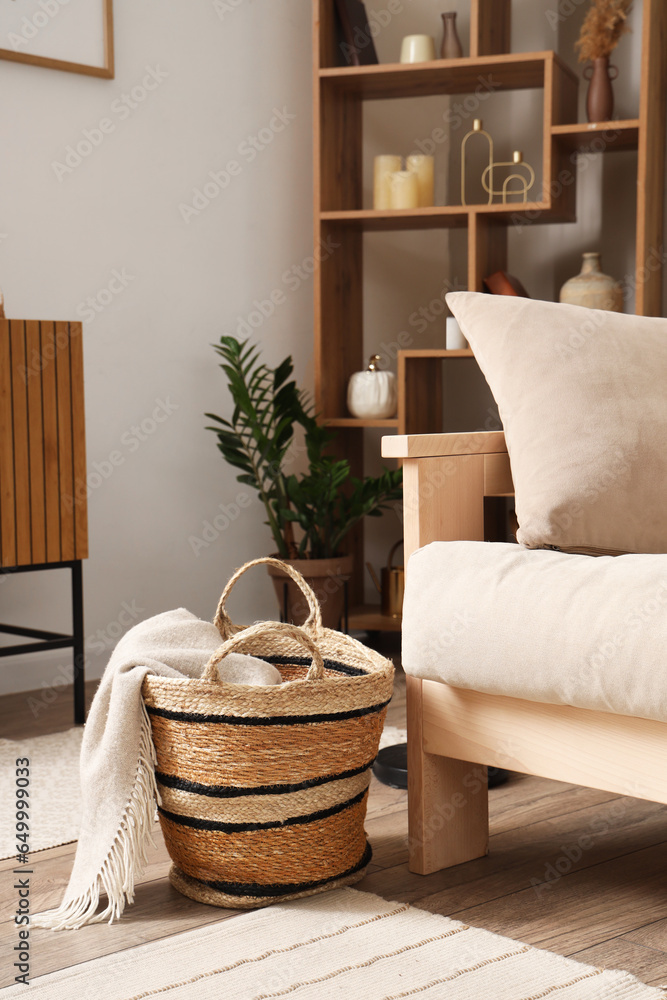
264 789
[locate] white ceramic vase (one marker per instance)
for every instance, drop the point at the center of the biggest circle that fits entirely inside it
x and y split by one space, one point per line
593 289
372 394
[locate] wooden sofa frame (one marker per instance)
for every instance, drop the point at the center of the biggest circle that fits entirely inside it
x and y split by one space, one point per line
453 734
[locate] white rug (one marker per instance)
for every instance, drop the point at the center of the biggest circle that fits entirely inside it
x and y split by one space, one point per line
339 945
54 792
392 735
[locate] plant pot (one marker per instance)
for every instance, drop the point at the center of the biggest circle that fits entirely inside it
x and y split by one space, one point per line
326 577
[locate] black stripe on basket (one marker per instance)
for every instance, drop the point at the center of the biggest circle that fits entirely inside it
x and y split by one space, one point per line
213 824
272 720
233 792
282 889
304 661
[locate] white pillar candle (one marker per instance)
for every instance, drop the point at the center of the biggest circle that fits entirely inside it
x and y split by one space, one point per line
423 167
417 48
383 166
404 189
454 339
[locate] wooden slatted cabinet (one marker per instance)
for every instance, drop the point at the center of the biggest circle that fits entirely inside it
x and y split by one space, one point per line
43 496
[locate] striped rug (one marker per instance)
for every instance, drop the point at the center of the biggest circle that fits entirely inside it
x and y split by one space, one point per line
342 944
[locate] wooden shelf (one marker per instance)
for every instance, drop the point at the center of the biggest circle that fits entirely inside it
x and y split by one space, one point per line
339 94
436 352
358 422
436 216
586 135
369 618
370 220
521 71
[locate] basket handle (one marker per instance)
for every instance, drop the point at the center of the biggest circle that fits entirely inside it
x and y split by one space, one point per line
266 630
226 626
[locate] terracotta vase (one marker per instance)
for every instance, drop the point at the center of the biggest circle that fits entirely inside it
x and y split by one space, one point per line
593 289
327 578
600 100
451 47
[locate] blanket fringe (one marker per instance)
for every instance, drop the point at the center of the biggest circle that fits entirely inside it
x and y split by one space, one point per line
125 861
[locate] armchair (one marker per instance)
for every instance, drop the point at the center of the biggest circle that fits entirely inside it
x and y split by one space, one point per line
453 734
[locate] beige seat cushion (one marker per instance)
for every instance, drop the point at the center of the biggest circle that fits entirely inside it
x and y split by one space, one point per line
545 626
582 395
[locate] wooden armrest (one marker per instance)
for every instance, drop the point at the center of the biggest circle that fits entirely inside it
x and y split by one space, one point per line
440 445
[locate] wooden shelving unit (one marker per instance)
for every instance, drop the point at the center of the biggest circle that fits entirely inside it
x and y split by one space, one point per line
339 93
587 136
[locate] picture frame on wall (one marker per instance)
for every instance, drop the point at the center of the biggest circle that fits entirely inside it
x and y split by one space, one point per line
355 39
71 35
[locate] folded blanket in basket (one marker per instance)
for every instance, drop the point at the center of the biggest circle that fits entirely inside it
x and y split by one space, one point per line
118 760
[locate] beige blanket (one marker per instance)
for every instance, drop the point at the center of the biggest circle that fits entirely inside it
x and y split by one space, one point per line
117 761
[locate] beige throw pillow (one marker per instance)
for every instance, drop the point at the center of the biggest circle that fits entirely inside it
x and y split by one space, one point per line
582 395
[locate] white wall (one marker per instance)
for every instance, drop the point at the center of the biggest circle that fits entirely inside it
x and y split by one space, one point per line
119 209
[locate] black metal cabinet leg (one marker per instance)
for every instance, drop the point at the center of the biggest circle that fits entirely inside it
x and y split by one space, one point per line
78 651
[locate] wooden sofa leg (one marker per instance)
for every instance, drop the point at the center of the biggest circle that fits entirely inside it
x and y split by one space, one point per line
448 816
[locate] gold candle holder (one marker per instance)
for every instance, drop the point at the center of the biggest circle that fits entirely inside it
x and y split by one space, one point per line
518 182
477 129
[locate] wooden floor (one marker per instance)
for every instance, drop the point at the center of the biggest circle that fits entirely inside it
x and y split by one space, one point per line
605 904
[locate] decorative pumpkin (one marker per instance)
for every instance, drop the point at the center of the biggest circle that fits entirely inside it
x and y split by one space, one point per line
372 394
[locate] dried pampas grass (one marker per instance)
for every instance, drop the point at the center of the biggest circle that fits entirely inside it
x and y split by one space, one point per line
601 31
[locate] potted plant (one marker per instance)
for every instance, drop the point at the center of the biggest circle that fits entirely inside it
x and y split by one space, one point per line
311 514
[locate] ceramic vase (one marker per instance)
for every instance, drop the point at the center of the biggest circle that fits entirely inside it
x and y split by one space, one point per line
593 289
451 47
372 394
600 100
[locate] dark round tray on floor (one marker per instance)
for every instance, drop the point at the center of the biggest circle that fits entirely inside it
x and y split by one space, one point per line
391 768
